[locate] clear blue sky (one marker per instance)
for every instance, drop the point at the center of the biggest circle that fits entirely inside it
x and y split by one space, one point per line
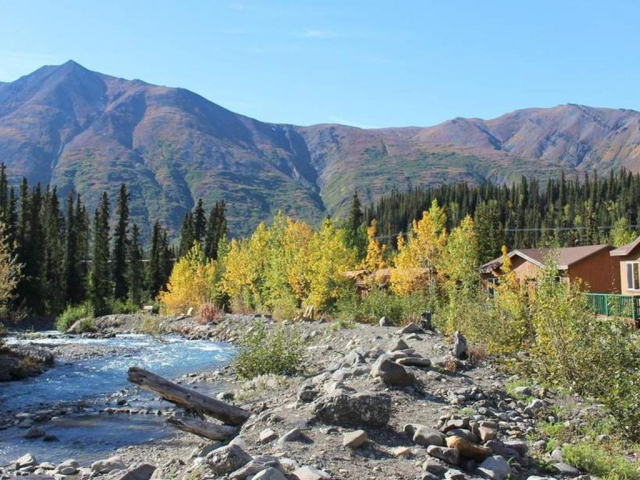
364 63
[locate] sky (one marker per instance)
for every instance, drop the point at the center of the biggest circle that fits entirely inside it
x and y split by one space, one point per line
361 63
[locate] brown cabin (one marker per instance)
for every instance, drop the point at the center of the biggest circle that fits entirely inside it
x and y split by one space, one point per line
628 259
592 264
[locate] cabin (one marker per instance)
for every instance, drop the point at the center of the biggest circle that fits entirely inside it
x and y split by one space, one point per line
591 264
628 259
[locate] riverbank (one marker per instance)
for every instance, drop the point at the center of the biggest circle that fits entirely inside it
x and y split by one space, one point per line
352 414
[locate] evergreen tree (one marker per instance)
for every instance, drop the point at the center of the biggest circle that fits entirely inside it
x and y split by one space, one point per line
187 234
356 228
199 223
53 277
119 254
160 263
135 270
73 279
216 230
100 272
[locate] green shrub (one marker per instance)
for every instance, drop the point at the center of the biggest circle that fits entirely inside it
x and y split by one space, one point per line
379 303
121 307
152 325
72 314
264 351
596 460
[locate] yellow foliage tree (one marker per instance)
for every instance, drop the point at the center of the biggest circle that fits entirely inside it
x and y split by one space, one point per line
459 264
191 283
374 259
418 259
329 257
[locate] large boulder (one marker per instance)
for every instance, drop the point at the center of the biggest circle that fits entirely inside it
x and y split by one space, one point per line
371 409
460 347
391 373
495 468
108 465
225 460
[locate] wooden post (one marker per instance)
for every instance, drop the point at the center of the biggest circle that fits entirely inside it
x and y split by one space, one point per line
187 398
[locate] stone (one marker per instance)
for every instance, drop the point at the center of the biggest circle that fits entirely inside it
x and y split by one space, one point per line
414 362
269 474
140 472
267 435
189 311
68 467
27 460
108 465
459 346
310 473
384 322
435 467
34 432
307 394
355 439
429 476
523 391
372 409
391 373
468 449
535 406
449 455
398 345
293 435
255 466
227 459
411 328
426 437
495 468
466 434
565 469
401 452
454 474
425 321
486 433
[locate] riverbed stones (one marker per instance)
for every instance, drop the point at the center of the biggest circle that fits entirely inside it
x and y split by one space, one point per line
414 362
371 409
269 474
355 439
426 437
495 468
108 465
143 471
311 473
398 345
68 467
258 464
446 454
267 435
227 459
391 373
34 432
410 328
468 449
460 347
27 460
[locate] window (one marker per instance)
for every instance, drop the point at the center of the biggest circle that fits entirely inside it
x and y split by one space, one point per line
633 275
491 286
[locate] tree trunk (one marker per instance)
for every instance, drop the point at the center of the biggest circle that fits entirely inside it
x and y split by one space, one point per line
212 431
189 399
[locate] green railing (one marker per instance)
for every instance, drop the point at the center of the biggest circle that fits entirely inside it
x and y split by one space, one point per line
613 305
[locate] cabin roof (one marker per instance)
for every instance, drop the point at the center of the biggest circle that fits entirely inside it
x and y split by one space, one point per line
565 257
625 250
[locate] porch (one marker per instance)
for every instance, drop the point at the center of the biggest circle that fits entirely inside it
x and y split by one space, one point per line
615 305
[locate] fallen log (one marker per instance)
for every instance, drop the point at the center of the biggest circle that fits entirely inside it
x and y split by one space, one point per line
212 431
189 399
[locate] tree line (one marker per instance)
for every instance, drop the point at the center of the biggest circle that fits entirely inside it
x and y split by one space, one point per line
526 214
70 257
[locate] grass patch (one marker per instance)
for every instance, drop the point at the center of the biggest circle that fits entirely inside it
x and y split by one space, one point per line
596 460
152 325
265 351
72 314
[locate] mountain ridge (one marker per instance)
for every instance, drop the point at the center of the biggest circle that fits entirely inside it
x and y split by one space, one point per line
88 131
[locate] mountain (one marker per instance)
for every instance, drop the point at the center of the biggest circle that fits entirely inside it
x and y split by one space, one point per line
88 131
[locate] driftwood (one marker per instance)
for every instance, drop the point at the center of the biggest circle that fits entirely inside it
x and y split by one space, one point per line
186 398
212 431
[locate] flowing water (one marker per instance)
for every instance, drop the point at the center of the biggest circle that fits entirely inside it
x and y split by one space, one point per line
92 435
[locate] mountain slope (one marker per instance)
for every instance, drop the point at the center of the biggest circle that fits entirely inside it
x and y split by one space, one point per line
88 131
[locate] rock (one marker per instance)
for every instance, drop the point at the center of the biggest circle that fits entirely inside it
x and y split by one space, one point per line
310 473
227 459
425 321
565 469
267 435
384 322
371 409
486 433
426 436
466 434
398 345
495 468
523 391
435 467
391 373
190 312
453 474
449 455
414 362
68 467
27 460
34 432
535 406
292 435
401 452
269 474
429 476
468 449
140 472
411 328
307 394
355 439
108 465
459 346
255 466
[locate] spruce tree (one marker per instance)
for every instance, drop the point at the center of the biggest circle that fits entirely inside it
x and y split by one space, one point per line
199 222
135 267
53 276
119 254
216 229
100 274
187 234
72 274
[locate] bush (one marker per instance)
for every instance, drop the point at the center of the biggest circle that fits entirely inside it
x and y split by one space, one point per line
210 313
262 352
381 303
595 460
72 314
152 325
123 307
